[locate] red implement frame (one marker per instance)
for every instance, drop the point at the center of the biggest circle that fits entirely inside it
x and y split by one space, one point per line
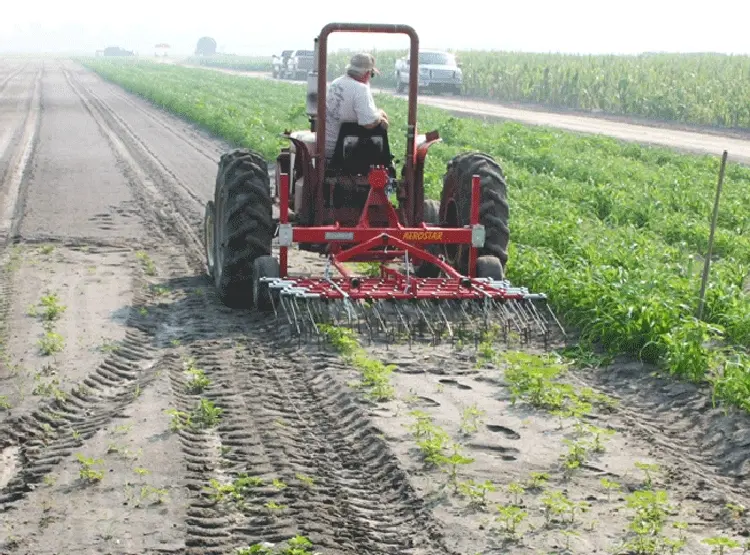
358 244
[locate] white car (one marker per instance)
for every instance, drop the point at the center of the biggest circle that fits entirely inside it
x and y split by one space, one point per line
438 71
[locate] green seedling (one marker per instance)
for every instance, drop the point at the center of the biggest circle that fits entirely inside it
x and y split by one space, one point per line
278 484
160 495
205 414
537 480
4 403
146 263
556 504
719 544
598 435
236 492
87 472
609 486
51 343
568 534
736 510
51 307
476 492
575 456
197 379
516 489
298 545
510 516
141 471
650 513
431 439
453 462
179 419
375 374
681 526
647 469
306 480
471 418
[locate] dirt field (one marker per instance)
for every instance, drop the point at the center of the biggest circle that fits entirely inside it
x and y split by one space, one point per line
104 306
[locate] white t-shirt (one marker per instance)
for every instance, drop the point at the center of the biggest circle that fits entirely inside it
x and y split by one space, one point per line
347 100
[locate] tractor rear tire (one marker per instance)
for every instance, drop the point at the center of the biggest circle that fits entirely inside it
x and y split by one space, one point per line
243 224
493 206
431 215
264 266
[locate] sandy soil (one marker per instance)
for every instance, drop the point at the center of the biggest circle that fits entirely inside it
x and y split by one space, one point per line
690 139
104 306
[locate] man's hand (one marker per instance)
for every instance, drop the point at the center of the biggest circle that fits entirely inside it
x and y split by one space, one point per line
384 119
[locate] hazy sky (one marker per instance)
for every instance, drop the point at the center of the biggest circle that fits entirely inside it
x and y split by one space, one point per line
628 26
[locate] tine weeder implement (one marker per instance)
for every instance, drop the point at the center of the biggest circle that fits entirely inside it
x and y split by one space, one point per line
398 305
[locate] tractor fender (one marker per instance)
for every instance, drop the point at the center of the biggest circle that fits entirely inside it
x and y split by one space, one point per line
305 198
421 151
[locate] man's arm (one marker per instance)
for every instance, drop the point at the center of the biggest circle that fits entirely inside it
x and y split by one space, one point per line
368 115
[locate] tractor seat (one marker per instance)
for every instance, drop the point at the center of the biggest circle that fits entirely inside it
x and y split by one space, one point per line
358 148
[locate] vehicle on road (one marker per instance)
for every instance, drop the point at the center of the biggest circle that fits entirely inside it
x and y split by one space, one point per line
438 72
292 64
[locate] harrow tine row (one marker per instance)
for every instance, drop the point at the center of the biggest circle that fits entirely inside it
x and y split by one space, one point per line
514 315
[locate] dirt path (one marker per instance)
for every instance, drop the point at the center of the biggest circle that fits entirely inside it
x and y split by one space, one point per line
104 307
705 141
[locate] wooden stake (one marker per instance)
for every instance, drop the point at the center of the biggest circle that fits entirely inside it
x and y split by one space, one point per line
714 217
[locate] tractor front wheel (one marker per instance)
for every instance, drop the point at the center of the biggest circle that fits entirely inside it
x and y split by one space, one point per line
430 215
493 207
242 224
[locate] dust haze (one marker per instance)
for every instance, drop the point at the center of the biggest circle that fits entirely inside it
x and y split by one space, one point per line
580 26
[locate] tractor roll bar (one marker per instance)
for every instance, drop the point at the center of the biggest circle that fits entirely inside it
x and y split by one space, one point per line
322 87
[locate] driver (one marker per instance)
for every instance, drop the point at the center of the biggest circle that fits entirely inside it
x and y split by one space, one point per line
349 98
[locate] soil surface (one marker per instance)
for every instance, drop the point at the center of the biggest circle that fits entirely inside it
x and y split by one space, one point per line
687 138
104 306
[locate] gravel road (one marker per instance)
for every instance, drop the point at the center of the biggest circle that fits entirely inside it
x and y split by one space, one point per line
104 305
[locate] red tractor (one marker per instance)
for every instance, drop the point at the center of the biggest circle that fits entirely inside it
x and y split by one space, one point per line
454 249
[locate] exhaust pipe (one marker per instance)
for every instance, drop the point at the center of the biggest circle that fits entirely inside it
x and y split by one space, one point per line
312 89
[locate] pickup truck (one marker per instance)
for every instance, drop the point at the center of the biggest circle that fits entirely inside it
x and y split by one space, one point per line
438 71
293 64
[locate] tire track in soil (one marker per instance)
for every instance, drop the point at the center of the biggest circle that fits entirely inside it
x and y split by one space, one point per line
284 415
679 421
44 438
11 200
9 78
167 121
38 441
12 195
123 137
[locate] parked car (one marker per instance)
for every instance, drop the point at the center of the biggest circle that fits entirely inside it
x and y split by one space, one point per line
293 64
438 71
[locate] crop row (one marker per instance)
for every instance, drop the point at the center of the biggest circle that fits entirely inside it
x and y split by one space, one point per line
703 89
612 232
